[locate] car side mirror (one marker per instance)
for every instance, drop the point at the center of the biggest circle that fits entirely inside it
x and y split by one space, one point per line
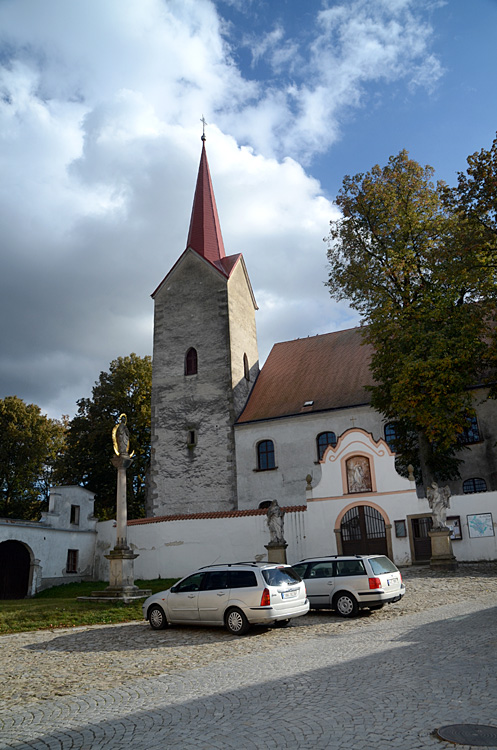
174 589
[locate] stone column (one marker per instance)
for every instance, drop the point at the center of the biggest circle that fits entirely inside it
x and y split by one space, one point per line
121 462
121 558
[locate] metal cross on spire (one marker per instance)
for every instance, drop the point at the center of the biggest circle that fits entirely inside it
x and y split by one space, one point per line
204 123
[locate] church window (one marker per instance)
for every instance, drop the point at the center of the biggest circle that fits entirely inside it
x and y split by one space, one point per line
474 485
72 561
471 433
192 438
191 362
75 515
391 435
324 439
265 455
246 370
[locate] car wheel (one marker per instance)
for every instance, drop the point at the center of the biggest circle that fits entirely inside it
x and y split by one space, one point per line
236 623
157 618
345 604
282 623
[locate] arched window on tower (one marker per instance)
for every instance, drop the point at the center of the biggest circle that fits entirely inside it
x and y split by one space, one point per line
246 370
191 362
324 439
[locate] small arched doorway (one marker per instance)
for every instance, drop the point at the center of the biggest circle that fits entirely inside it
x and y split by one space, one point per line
15 563
363 532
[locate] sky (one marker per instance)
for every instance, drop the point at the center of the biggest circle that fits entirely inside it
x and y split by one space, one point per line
100 123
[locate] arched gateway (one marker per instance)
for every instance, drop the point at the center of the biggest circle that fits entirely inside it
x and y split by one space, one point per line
15 564
363 532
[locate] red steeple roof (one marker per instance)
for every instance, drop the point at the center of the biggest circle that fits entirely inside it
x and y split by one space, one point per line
204 235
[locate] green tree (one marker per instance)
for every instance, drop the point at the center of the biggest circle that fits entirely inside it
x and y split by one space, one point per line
475 196
29 445
396 256
125 388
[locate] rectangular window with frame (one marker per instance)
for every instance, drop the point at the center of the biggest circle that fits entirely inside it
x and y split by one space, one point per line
75 515
400 529
72 561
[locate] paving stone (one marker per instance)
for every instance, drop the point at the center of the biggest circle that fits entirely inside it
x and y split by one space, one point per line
384 680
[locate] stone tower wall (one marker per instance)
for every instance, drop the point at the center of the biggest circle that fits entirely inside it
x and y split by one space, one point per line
243 336
192 310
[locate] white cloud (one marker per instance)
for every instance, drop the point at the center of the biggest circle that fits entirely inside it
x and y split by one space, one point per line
100 105
314 84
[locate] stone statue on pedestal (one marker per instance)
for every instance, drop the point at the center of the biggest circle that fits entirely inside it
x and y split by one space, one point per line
275 521
438 500
120 437
442 555
121 574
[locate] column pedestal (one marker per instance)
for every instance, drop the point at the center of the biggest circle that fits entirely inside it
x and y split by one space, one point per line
276 552
442 555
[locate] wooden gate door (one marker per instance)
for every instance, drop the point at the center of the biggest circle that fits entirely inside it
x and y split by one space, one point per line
363 532
420 539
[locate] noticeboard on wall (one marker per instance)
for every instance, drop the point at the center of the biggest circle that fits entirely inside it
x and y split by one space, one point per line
480 525
454 524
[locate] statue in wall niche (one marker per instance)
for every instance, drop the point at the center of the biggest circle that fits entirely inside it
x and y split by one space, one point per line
439 500
275 523
120 437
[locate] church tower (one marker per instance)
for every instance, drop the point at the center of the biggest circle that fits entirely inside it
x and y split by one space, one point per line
205 362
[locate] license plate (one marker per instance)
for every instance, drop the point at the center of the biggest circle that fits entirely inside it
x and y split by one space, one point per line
289 594
392 581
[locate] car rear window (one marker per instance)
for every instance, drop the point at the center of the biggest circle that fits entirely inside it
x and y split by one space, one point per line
350 568
242 579
278 576
381 565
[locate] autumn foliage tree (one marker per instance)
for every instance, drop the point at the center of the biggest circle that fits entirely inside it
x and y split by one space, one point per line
399 254
86 460
29 445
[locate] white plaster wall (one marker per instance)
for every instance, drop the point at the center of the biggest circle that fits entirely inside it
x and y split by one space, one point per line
172 549
50 546
295 453
470 548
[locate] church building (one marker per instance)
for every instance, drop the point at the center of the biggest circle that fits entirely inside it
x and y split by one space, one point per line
227 438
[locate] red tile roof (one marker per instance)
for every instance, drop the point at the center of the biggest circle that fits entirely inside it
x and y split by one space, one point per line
329 370
204 235
215 514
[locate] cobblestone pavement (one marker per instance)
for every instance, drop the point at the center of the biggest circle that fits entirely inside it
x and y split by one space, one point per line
384 680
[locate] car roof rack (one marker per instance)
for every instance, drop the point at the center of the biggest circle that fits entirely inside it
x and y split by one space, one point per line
253 563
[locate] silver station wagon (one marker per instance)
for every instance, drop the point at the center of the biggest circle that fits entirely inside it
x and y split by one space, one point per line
236 595
347 583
